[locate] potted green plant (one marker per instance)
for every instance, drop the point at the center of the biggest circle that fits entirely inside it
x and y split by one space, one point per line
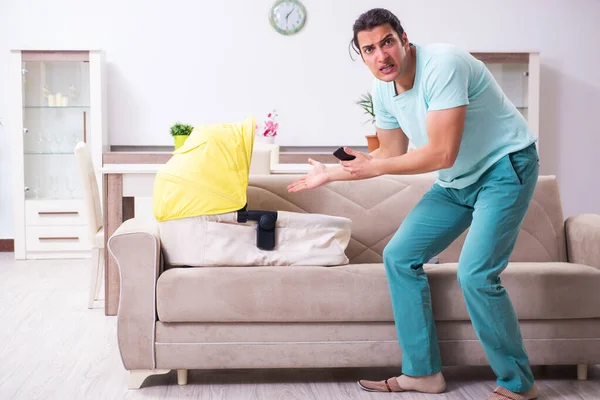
180 133
366 103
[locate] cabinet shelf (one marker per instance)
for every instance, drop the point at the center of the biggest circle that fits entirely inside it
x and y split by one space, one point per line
48 153
55 107
48 198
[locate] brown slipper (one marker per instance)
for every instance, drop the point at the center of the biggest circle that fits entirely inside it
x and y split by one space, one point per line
504 394
389 385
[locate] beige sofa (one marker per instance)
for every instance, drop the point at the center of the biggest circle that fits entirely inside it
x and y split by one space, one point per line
303 317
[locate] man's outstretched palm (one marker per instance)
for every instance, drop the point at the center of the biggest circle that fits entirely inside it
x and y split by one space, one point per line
315 178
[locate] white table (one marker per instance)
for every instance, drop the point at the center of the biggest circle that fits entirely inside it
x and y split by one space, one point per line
121 185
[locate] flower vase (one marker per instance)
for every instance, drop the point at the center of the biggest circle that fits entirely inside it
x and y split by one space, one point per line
265 139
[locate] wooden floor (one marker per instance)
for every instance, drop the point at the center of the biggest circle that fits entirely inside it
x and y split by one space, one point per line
53 347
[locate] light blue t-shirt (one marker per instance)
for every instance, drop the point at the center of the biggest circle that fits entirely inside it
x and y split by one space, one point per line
448 77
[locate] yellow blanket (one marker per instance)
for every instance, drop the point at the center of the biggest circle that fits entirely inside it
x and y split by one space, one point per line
208 175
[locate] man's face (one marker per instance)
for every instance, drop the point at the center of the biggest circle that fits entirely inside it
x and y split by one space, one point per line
383 52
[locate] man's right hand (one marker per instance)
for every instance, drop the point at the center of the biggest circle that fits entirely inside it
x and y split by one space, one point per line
315 178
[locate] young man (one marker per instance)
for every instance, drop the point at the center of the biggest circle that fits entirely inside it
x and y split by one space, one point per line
449 105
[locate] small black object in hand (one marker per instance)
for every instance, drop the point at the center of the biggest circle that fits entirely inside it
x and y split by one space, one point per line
342 155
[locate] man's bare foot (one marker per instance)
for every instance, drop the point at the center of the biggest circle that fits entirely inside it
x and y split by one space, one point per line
504 394
426 384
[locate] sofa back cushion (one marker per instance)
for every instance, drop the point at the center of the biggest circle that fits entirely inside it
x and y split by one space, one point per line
378 206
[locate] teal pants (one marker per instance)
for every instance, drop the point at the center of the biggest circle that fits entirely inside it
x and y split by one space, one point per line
493 209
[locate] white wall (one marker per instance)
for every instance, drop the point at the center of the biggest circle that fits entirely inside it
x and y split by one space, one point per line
215 61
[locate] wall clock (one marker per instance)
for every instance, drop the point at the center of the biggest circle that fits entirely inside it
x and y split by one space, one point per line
287 16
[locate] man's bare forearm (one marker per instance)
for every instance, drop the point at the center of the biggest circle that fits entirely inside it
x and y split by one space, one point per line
337 173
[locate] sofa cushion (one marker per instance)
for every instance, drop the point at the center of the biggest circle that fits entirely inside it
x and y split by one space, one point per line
359 292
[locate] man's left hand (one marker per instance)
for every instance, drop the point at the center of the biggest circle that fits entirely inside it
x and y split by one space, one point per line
363 166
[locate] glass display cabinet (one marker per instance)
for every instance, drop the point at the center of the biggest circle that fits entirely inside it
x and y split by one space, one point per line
58 100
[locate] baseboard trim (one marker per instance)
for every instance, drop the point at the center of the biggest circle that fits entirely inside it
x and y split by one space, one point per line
7 245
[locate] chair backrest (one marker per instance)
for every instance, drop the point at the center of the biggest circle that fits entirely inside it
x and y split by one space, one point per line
91 195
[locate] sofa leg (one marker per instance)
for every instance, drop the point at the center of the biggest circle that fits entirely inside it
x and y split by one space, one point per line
582 372
138 376
182 376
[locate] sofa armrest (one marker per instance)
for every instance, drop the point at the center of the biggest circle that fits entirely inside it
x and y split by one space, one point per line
583 239
135 245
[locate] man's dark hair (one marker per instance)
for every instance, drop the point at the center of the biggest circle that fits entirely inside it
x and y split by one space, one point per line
372 19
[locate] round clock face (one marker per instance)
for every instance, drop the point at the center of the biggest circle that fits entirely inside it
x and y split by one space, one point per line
288 16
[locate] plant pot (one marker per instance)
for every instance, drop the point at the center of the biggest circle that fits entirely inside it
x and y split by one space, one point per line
179 140
372 142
